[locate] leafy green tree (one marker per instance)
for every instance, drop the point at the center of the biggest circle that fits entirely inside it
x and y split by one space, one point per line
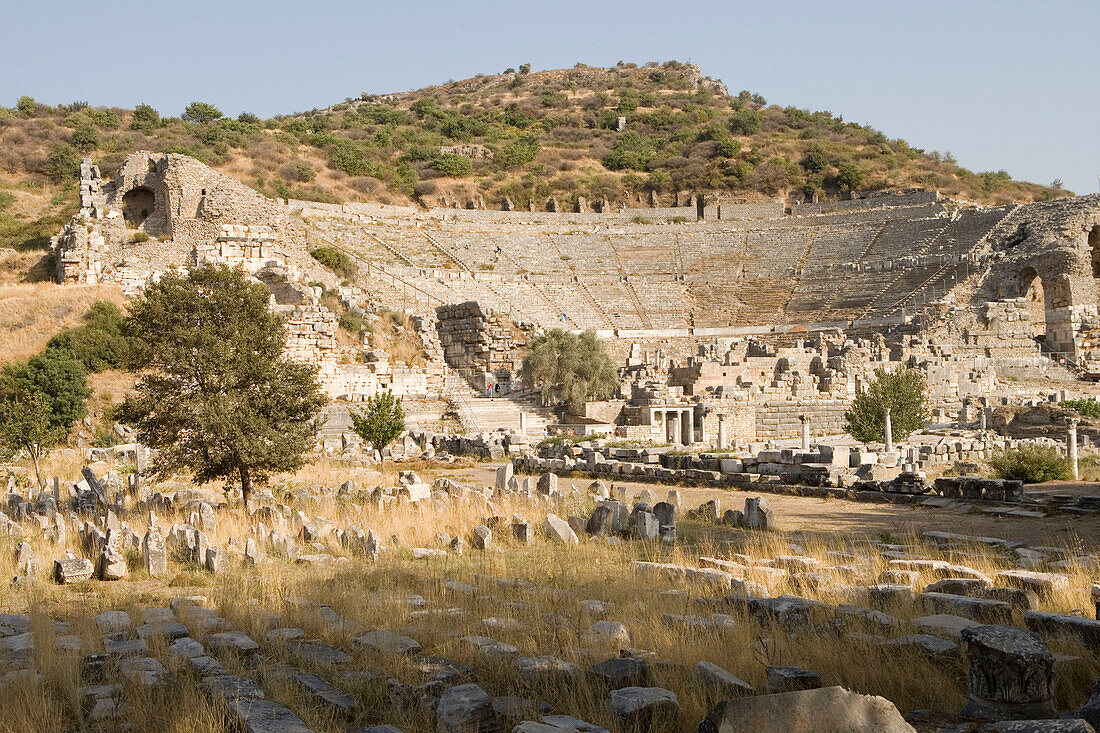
62 162
453 165
380 421
815 161
219 398
59 378
903 392
145 118
27 105
525 68
26 424
201 112
632 150
568 367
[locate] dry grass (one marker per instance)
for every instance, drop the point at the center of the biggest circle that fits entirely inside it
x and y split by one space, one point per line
548 579
31 314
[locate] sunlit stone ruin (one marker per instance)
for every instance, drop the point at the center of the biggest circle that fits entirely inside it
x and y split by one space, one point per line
742 333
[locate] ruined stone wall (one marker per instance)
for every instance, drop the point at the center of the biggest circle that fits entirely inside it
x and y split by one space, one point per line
779 420
478 341
311 338
1049 242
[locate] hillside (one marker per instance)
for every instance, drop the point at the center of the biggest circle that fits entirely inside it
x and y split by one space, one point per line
628 135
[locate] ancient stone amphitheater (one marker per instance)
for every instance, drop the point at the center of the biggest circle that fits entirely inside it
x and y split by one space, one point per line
992 278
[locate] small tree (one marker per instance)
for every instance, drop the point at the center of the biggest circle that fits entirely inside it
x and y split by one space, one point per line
380 421
145 118
62 163
902 392
59 378
568 367
219 399
201 112
27 105
26 424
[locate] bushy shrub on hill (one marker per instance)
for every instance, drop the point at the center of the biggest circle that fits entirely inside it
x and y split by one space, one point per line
100 343
335 260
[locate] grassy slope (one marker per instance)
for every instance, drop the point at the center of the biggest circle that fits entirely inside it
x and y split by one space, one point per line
539 134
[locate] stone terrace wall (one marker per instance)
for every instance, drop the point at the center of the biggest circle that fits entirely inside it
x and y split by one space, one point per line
779 420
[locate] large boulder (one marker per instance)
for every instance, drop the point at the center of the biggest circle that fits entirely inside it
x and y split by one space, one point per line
824 710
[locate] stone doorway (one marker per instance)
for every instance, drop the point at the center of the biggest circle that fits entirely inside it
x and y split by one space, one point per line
137 205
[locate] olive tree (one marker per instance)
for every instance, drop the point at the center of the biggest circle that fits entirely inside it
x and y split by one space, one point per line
569 367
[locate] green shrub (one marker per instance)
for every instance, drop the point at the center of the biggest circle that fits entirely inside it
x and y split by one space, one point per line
520 151
450 164
62 163
352 322
27 105
746 121
1085 408
1031 464
336 261
100 343
85 138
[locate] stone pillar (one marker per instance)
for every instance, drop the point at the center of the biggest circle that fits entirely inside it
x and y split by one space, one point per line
1071 449
522 423
805 431
1011 674
964 412
674 424
687 427
983 419
889 432
722 445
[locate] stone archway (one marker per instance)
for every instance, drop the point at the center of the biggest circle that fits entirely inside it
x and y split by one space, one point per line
1030 287
137 205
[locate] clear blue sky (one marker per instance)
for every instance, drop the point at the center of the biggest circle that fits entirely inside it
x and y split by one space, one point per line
1002 85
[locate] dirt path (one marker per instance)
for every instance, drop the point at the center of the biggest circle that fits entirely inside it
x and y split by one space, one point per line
831 516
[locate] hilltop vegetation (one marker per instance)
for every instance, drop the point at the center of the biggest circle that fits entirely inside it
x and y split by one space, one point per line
627 134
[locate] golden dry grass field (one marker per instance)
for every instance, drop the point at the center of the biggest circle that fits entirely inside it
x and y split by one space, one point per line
527 595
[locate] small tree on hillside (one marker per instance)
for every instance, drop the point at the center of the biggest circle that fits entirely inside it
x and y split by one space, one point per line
380 421
201 112
219 399
25 424
568 367
903 393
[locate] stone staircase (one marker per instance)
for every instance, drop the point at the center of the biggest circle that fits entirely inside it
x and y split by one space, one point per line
478 413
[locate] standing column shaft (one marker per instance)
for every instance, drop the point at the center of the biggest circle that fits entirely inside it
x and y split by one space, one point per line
889 432
1071 449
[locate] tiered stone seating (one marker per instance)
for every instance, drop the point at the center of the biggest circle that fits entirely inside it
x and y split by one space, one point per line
799 269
